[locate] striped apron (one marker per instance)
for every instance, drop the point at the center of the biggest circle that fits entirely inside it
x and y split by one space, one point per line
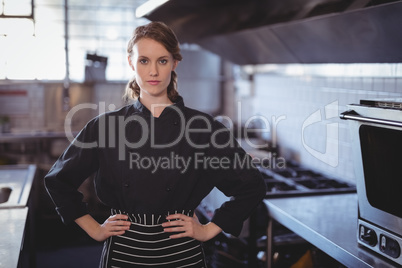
145 244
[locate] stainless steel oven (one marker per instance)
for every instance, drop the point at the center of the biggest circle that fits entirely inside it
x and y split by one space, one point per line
376 131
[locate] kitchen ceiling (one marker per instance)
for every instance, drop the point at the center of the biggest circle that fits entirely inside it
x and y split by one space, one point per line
288 31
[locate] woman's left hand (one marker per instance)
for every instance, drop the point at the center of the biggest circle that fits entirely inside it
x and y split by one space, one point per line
190 227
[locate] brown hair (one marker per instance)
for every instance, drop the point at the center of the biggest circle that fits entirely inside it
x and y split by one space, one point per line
161 33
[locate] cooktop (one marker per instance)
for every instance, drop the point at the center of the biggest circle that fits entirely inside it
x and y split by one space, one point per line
299 181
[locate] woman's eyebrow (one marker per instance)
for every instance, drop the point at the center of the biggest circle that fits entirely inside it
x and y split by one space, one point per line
146 57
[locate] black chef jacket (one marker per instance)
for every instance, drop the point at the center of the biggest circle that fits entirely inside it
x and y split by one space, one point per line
144 164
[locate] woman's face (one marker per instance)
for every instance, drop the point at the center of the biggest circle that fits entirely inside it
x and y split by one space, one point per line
152 65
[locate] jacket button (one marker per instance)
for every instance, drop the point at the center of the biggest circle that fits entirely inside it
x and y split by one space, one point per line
175 123
126 185
168 189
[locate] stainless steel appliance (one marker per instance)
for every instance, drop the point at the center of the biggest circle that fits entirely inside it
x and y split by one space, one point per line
295 180
376 131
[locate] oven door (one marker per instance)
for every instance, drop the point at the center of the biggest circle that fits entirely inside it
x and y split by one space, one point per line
377 146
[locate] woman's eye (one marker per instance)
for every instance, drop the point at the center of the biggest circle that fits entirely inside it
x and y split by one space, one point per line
143 61
163 61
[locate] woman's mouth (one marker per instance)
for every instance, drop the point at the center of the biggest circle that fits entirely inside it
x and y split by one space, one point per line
153 82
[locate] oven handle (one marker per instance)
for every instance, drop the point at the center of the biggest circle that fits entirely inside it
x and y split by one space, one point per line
352 115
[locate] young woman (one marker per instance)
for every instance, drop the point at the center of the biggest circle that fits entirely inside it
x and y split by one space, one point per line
155 160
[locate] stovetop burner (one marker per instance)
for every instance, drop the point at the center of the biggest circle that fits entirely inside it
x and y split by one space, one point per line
297 181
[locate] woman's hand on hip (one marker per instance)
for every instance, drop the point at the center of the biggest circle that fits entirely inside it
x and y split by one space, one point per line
186 226
114 225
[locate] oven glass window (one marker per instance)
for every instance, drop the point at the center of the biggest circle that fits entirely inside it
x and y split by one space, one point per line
382 164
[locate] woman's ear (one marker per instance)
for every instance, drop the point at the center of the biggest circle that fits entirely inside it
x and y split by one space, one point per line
175 63
130 63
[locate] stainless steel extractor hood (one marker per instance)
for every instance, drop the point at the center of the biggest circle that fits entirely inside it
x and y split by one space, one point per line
287 31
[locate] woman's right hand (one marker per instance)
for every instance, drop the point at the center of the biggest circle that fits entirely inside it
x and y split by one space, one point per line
114 225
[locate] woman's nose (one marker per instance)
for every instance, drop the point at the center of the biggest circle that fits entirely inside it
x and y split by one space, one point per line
153 70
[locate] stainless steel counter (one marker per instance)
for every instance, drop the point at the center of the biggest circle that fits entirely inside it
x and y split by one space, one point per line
31 136
18 180
16 183
12 225
329 222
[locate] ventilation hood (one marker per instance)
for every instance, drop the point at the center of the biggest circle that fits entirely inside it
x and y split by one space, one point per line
249 32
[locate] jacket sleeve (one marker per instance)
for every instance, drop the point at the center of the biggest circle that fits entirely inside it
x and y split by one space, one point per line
236 177
77 163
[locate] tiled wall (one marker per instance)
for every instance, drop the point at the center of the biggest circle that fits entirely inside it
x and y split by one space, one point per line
306 109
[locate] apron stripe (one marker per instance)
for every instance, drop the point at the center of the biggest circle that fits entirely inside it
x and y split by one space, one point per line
162 263
123 245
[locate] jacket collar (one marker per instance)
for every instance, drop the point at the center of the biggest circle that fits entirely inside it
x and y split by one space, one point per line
179 103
